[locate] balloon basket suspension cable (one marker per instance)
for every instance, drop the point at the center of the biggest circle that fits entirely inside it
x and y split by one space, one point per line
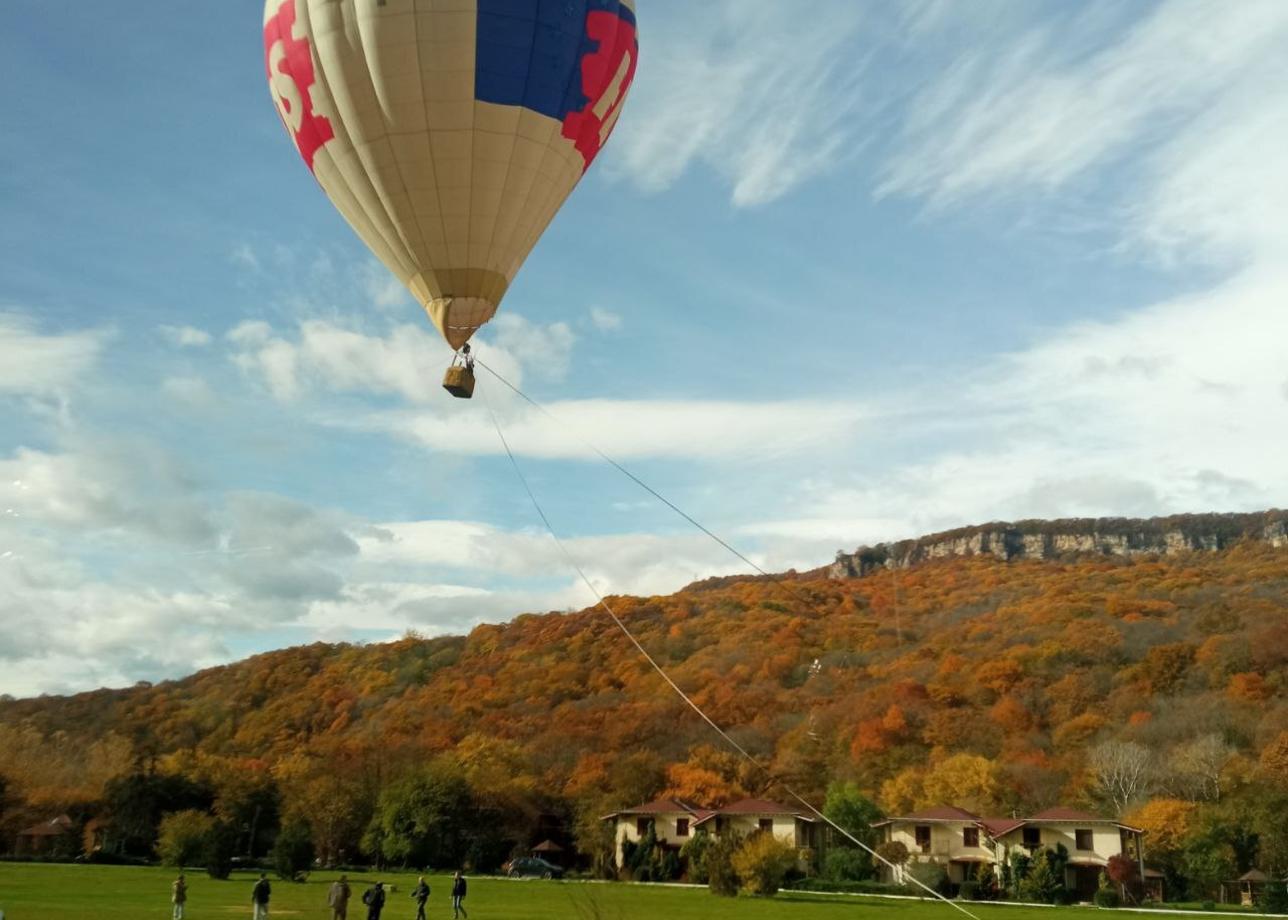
626 631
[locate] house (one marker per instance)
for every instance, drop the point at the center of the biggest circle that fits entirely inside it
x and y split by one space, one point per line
963 842
674 822
44 838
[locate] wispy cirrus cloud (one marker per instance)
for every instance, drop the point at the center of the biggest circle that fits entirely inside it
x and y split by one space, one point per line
751 89
1188 100
39 363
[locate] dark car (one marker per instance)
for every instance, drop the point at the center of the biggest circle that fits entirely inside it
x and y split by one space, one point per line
532 867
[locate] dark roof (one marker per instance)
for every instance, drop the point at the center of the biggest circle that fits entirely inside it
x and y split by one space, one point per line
657 807
1254 875
547 846
996 827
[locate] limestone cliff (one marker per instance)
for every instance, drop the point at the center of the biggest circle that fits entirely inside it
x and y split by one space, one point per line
1180 533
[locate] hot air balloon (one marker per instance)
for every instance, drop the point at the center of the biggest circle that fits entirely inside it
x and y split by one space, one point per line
449 132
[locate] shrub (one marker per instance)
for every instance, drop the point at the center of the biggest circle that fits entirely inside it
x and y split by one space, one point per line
847 864
1208 905
894 852
1106 897
1274 898
721 877
221 843
293 852
182 839
762 863
694 853
969 890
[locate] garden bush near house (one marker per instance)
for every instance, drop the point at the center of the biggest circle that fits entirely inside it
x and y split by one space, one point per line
847 864
762 863
894 852
1106 893
721 876
1273 898
182 837
694 855
865 886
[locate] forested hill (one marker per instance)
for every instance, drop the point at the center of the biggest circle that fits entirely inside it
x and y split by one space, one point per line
989 684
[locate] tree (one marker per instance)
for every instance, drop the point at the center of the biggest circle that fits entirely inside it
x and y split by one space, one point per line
183 837
1124 872
136 802
422 820
894 853
1195 767
293 851
853 812
1122 772
695 852
1045 880
762 862
722 878
967 780
221 847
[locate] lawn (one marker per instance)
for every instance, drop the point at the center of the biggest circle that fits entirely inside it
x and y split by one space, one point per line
59 892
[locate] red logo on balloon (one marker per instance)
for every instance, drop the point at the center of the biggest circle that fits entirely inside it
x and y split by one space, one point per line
291 79
606 75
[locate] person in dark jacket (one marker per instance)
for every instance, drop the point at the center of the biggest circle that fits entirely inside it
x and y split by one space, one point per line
420 894
374 898
259 896
458 895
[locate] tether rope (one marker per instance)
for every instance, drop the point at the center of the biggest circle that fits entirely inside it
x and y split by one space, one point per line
572 562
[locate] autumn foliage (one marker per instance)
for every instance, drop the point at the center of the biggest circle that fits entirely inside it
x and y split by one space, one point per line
997 685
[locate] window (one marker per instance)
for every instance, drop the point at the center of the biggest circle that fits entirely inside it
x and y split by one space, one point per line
1032 837
681 827
642 825
970 836
923 837
1082 839
767 824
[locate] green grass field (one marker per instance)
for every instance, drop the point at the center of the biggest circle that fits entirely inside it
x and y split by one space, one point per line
58 892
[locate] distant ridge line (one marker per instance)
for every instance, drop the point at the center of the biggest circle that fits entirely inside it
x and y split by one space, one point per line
1042 539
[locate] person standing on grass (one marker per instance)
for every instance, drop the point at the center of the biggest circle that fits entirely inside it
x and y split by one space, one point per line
259 896
179 896
338 898
420 894
458 895
374 898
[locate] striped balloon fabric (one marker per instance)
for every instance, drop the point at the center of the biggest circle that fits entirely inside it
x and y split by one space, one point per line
449 132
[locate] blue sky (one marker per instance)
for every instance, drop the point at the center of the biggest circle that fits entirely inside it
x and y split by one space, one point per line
881 270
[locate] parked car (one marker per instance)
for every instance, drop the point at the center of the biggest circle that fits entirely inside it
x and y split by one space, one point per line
532 867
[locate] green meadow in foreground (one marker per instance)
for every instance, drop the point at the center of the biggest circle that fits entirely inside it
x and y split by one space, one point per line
60 892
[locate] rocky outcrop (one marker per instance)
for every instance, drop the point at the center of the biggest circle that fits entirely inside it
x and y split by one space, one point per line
1182 533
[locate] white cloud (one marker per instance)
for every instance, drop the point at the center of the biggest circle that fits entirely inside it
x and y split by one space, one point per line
1033 110
707 430
760 94
186 336
32 362
605 320
191 391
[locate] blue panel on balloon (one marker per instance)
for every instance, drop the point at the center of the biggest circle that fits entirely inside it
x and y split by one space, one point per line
529 52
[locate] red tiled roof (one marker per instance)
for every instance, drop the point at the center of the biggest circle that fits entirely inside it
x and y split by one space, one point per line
656 807
996 827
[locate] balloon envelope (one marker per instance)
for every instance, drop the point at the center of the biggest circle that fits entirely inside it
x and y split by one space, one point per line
449 132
